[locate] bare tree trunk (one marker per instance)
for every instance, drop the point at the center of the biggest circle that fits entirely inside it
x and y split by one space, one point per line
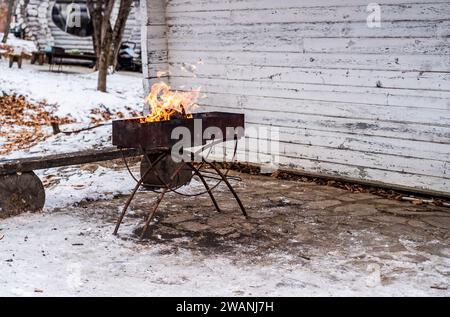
102 71
8 20
106 39
95 12
119 28
103 61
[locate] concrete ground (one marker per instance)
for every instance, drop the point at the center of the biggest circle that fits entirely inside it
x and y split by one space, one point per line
301 239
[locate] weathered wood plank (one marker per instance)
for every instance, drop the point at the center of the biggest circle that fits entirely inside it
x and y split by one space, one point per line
432 63
403 46
288 31
298 107
371 127
65 159
438 46
352 171
436 168
216 5
318 13
401 149
360 142
335 77
371 96
156 56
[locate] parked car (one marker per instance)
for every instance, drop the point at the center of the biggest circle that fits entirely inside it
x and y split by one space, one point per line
128 59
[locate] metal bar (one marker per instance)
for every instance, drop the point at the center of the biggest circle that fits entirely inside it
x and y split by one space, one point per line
238 179
211 195
139 183
161 196
153 212
224 178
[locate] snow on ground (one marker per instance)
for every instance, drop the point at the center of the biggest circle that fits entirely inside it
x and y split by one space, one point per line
75 185
75 93
61 254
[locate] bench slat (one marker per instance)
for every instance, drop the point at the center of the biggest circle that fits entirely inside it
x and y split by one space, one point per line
65 159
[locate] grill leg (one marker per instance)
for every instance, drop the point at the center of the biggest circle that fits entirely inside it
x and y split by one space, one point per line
224 178
139 183
153 212
211 195
160 198
125 208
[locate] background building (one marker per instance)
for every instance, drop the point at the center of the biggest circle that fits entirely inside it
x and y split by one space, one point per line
36 19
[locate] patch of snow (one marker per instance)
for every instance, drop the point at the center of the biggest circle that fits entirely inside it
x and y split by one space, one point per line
75 185
62 254
74 93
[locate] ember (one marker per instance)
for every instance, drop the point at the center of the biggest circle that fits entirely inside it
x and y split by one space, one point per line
166 104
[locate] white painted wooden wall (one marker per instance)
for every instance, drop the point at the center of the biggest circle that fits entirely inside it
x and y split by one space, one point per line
367 103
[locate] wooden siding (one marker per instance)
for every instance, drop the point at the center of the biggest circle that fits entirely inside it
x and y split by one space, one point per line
366 103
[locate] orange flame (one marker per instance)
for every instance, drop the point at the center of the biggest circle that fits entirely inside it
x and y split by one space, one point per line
166 104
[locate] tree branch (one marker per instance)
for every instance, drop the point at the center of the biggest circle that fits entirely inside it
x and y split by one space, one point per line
8 20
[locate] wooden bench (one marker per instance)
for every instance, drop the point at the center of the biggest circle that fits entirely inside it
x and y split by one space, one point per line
20 188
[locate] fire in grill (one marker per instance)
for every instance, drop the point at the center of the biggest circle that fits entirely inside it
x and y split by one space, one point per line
132 133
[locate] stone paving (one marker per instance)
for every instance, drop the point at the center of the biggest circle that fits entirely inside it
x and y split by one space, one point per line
306 220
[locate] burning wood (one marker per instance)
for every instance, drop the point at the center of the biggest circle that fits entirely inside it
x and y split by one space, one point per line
166 104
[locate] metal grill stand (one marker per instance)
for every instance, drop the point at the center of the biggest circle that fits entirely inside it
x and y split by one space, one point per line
163 153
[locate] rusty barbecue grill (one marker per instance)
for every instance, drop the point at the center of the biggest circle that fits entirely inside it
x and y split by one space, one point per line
160 173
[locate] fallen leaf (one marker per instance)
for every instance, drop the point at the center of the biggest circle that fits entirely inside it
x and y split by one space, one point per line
78 186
